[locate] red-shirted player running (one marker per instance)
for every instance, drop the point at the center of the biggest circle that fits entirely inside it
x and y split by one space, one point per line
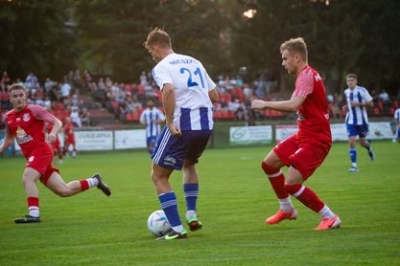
69 138
305 151
25 123
56 145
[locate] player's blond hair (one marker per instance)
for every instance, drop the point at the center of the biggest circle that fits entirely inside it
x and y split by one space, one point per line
297 45
16 86
157 37
351 76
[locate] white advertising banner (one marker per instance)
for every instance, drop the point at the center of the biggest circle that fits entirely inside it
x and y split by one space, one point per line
94 140
130 139
284 131
250 135
339 132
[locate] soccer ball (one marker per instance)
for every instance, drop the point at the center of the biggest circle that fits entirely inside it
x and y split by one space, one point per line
158 223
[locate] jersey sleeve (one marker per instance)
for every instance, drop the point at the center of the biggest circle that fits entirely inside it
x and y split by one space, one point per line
161 114
304 84
367 97
161 76
41 113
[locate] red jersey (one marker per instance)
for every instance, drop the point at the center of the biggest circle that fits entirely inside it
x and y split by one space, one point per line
69 130
27 126
313 115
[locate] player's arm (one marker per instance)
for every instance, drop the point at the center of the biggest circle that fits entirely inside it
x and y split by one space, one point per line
168 98
213 94
291 105
8 141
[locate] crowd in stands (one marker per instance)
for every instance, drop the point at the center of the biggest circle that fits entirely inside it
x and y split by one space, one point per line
126 101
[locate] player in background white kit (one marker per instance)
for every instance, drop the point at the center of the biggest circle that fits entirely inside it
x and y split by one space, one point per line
152 117
188 94
397 121
358 100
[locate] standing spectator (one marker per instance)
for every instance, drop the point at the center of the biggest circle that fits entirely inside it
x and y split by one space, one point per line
306 150
5 78
65 90
143 79
357 99
188 107
151 118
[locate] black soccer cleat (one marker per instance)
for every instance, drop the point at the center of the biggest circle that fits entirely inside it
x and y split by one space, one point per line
106 190
27 219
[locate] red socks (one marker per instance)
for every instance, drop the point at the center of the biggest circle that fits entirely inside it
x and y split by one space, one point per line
305 196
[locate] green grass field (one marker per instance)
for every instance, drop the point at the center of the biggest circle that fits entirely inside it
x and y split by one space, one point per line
235 198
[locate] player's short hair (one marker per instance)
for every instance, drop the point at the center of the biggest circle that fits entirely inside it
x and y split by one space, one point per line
297 45
351 76
16 86
157 37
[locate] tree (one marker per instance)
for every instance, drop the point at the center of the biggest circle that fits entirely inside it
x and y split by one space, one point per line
35 38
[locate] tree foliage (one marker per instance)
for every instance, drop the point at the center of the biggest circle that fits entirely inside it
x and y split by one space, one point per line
35 38
106 36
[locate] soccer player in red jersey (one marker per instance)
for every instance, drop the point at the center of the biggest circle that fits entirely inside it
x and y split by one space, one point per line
25 123
69 137
305 151
56 145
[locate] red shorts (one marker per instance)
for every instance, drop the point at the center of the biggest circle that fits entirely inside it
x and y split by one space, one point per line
306 158
41 161
69 140
56 145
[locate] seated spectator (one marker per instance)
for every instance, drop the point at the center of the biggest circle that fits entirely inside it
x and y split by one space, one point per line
85 118
384 97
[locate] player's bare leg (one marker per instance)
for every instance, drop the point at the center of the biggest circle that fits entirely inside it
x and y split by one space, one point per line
29 179
59 187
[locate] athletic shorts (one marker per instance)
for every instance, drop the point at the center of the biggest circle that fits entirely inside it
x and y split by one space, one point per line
151 140
357 130
41 161
69 140
305 157
170 151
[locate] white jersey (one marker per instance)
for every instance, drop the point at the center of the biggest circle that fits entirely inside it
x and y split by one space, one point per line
193 110
151 119
397 116
357 115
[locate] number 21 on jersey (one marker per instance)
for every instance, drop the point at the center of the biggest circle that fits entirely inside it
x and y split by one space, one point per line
192 76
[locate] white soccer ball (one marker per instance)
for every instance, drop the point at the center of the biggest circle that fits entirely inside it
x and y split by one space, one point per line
158 223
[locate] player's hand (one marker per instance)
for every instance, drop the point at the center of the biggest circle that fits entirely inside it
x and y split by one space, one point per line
51 138
258 104
174 130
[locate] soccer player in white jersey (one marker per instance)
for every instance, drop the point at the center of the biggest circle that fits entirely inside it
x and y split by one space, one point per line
397 121
358 100
152 117
188 94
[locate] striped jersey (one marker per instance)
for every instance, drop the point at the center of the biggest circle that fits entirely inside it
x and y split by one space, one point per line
357 115
152 118
193 109
397 116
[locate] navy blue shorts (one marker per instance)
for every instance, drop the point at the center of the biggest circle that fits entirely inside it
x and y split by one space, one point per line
170 151
357 130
